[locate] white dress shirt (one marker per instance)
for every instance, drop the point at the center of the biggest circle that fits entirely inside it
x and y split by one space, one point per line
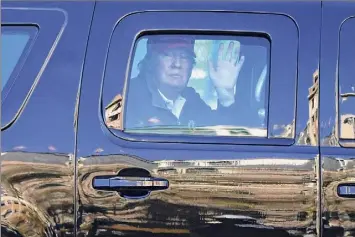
174 106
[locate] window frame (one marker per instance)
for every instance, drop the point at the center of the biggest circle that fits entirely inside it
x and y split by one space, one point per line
42 47
250 29
348 22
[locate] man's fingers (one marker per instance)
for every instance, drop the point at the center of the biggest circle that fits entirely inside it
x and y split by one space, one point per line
241 62
236 55
220 51
229 52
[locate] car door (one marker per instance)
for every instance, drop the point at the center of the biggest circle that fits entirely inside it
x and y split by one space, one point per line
257 177
337 118
42 50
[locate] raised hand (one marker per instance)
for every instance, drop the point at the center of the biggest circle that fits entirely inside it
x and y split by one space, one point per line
225 74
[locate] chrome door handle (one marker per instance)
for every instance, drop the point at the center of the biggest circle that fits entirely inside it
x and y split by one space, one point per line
117 183
133 183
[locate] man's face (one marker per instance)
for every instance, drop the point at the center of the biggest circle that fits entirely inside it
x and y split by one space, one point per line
174 68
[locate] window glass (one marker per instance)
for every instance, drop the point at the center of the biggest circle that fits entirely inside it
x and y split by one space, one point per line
13 44
195 85
346 108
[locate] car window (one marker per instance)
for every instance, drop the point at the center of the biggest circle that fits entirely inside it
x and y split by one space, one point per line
195 85
13 45
346 82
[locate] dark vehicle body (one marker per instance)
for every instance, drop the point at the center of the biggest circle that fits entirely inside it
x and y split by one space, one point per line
58 153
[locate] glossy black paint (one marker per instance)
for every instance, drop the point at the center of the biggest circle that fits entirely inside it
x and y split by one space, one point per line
58 144
37 162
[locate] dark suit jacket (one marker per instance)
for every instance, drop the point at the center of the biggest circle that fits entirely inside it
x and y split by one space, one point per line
145 107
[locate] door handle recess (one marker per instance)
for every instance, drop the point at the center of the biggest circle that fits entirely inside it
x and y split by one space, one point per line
132 183
117 183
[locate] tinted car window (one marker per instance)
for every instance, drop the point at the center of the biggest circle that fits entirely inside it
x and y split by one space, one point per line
196 85
13 46
346 90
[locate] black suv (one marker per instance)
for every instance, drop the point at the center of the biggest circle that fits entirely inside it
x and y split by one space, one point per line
178 118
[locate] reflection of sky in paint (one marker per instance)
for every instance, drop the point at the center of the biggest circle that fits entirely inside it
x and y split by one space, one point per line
12 46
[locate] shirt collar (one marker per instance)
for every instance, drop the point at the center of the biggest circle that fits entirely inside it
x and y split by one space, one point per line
158 99
169 103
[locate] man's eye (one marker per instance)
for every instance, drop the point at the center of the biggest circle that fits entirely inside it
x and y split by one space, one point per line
165 54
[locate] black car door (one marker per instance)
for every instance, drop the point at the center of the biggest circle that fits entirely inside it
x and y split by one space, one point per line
337 118
255 178
42 52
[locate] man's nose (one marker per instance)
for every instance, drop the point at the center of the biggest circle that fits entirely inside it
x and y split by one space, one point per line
176 61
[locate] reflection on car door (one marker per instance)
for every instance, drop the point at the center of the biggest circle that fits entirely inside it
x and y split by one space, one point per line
37 135
337 119
130 186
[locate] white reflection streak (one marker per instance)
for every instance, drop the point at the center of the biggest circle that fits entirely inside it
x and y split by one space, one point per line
198 73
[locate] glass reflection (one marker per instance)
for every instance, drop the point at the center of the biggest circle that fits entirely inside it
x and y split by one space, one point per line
346 85
196 85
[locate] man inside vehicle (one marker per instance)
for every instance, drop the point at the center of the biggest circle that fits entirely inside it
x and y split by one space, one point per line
159 95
